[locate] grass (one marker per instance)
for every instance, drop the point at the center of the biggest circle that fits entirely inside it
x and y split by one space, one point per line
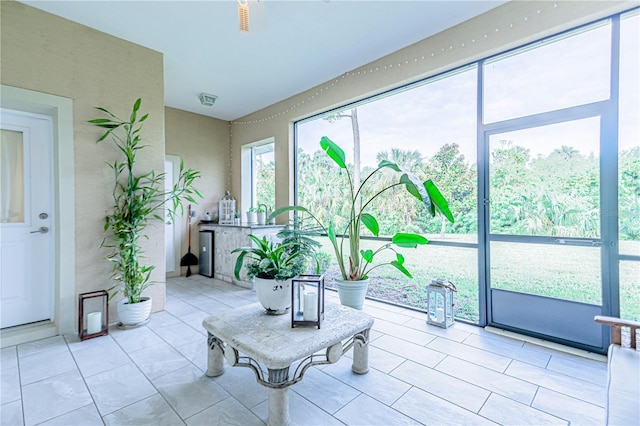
557 271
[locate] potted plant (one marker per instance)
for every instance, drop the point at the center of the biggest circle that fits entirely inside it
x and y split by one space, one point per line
356 264
262 214
272 265
252 215
138 199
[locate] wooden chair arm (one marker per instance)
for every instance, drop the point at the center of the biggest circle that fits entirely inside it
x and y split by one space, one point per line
616 325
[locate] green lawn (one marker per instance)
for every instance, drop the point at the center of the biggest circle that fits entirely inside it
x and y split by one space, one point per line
551 270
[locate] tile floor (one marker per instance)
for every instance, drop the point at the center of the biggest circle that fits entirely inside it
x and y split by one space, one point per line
154 375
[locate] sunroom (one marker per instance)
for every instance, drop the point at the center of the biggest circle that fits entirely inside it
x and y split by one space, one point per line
525 114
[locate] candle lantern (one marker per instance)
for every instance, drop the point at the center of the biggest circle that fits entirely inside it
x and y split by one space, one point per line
440 303
307 300
227 209
93 314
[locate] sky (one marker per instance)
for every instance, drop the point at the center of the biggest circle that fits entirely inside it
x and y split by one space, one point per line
558 75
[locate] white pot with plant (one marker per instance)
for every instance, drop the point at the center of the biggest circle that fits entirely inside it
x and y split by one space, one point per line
252 216
272 266
262 214
138 199
356 264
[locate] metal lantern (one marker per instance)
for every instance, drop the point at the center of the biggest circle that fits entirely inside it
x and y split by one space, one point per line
307 300
440 303
93 314
227 209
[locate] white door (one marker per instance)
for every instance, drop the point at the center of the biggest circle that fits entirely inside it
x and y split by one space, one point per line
26 222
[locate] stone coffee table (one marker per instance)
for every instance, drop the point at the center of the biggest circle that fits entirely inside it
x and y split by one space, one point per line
248 337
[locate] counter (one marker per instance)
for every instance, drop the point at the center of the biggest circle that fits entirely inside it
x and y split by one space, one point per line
230 237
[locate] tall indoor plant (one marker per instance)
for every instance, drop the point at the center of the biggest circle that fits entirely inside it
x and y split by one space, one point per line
138 198
356 264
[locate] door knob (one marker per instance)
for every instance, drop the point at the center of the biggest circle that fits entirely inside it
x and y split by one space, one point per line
41 230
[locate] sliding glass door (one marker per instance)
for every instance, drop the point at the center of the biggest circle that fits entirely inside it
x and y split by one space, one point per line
544 229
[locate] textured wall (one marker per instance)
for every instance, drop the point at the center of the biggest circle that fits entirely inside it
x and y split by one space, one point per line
505 27
203 144
45 53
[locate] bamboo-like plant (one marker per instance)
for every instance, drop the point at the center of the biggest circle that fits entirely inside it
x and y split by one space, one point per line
361 262
138 198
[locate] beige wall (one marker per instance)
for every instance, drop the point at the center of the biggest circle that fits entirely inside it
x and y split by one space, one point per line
45 53
505 27
203 144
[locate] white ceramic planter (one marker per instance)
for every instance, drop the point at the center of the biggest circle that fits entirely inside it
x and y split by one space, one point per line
262 217
251 218
352 293
132 315
275 296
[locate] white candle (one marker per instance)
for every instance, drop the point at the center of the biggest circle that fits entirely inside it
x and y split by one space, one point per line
440 314
94 322
310 306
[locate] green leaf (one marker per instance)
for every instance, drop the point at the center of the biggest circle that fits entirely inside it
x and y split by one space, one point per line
400 258
415 187
390 164
371 223
278 212
333 151
401 268
408 240
438 199
367 255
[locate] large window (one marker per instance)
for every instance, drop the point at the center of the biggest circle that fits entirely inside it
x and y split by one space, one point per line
628 211
258 175
544 176
430 130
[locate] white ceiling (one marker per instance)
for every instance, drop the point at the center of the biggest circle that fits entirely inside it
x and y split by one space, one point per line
305 42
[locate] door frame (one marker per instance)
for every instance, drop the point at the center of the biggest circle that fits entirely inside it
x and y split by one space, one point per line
177 224
607 240
60 110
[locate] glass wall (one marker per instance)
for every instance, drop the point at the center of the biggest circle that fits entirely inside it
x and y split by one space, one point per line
548 190
628 210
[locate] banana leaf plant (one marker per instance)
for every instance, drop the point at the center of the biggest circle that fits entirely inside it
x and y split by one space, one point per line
138 198
356 264
269 260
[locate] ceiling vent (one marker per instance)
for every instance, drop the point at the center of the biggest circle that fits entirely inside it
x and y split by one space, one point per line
207 99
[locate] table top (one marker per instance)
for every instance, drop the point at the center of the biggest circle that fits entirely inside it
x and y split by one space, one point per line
269 339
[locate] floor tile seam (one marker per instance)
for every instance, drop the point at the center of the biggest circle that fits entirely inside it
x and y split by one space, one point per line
497 392
575 397
184 420
77 369
488 353
470 362
63 414
292 389
435 335
549 373
430 392
503 339
444 399
400 337
55 349
579 378
510 357
526 405
540 385
545 411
